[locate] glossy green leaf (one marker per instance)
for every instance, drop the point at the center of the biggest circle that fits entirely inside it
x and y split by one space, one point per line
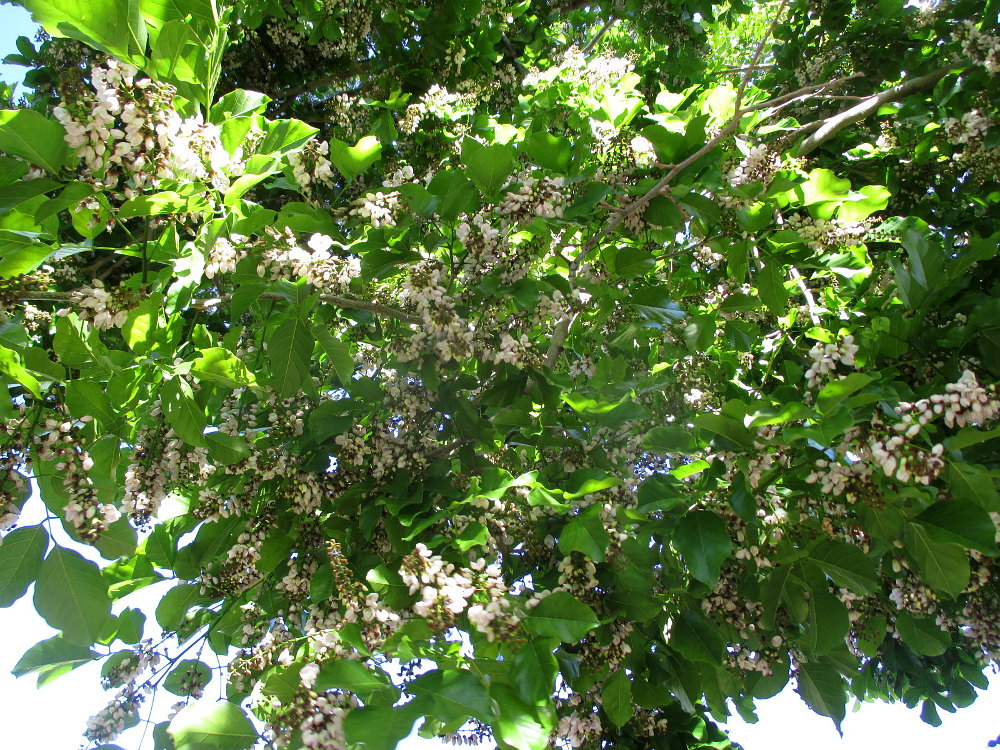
703 541
944 567
616 698
822 688
212 724
33 137
696 639
352 161
922 634
380 728
456 694
20 560
846 565
289 351
585 533
560 615
489 167
182 411
71 596
53 657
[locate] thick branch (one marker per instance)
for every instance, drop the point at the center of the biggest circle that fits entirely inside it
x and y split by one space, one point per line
597 37
830 126
331 299
558 340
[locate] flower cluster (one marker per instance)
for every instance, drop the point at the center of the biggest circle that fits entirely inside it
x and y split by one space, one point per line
310 165
315 263
971 126
437 102
826 357
964 402
130 138
84 510
827 234
446 591
101 307
978 46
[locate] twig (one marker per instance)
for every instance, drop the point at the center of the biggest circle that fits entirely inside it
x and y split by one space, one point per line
728 129
744 69
814 309
830 126
745 78
558 340
202 304
597 37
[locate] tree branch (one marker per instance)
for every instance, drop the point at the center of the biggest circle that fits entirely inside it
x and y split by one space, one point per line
331 299
830 126
597 37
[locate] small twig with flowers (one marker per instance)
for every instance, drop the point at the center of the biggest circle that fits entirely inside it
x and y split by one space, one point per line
210 302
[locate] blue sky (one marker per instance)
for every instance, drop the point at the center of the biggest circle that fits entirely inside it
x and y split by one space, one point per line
55 716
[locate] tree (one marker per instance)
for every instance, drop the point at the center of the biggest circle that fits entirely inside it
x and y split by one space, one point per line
598 363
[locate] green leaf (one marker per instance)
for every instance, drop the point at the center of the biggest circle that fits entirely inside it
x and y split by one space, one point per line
585 533
973 483
219 725
616 698
548 151
822 688
21 556
455 193
222 366
859 206
846 565
71 596
659 492
837 391
349 674
489 167
519 726
944 567
186 673
822 186
560 615
826 623
456 694
534 669
338 355
108 25
770 282
53 657
922 634
85 397
166 202
630 262
697 639
33 137
380 728
960 522
282 136
171 612
352 161
10 364
20 252
131 624
290 350
732 431
239 103
702 540
182 411
227 449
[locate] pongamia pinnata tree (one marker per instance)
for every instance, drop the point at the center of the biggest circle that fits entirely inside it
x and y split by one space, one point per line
555 374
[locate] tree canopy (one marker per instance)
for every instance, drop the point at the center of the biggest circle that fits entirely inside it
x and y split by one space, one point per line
557 374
